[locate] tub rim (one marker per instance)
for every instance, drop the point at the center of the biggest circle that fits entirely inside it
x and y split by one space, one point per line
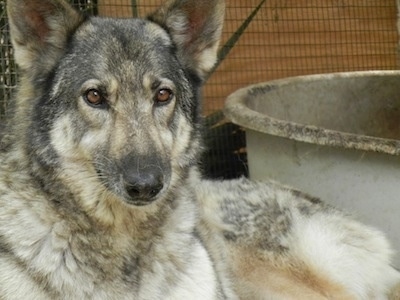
237 110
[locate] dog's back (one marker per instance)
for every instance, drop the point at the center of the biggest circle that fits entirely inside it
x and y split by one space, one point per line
279 243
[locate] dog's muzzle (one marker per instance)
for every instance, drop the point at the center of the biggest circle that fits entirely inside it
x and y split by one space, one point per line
143 179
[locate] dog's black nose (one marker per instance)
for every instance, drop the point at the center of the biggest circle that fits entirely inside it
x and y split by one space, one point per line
144 176
143 185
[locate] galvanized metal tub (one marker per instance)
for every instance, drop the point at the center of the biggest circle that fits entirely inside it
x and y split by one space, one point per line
335 136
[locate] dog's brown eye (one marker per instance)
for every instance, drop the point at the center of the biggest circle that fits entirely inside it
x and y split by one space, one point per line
163 96
94 97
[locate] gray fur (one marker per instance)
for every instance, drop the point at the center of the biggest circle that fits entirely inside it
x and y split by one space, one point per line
99 191
95 198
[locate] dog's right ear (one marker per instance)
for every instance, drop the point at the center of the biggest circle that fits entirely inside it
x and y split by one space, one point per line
39 31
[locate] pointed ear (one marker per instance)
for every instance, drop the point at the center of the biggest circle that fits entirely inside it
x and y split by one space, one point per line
39 31
195 27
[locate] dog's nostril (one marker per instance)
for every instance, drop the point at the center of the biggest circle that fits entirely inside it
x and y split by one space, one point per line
143 191
155 190
146 186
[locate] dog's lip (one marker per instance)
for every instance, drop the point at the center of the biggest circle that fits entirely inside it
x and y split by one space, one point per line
140 202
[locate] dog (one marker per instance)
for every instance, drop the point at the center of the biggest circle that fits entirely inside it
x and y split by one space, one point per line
100 191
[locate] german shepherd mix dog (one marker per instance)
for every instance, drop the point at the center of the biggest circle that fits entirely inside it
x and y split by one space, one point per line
99 191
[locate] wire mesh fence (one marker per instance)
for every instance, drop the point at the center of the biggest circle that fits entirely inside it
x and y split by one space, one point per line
262 40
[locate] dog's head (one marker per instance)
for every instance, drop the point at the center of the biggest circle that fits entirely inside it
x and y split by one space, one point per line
112 104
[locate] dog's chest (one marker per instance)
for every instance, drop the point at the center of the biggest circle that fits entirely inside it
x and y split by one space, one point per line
194 277
81 268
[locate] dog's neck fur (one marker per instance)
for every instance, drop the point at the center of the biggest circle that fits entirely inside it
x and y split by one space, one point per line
114 255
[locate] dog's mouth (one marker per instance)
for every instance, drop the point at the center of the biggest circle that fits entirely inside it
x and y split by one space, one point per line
136 202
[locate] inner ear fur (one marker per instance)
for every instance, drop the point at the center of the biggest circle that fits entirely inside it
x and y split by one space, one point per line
40 30
195 27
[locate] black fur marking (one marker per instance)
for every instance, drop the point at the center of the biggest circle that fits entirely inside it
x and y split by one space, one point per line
248 224
312 199
4 247
131 271
230 236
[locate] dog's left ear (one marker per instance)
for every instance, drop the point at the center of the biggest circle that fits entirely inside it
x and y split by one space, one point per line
195 27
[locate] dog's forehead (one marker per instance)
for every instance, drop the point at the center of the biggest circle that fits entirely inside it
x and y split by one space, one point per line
132 28
124 48
122 37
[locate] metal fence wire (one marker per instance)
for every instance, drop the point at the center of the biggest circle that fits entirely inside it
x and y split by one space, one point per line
262 40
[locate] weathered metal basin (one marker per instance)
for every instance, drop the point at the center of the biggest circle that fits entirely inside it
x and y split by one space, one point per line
336 136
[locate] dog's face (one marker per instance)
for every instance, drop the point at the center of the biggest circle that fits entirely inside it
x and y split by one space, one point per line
121 99
115 102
